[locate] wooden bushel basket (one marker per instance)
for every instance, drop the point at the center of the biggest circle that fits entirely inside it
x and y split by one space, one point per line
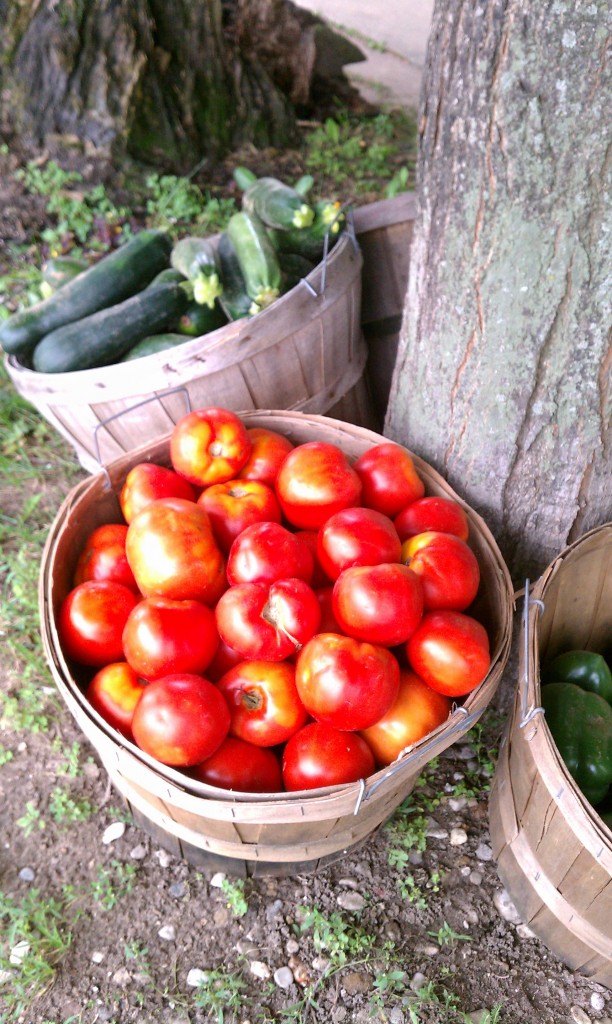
306 352
241 833
553 851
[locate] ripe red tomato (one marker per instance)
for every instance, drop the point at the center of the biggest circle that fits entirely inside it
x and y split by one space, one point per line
389 478
268 451
114 692
241 766
382 604
315 480
432 513
269 621
146 482
344 682
417 711
356 536
319 576
180 719
329 622
163 636
263 700
103 557
450 651
209 445
265 552
225 658
91 620
236 504
318 755
173 553
447 567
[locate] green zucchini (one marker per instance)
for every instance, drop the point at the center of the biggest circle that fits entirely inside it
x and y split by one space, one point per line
295 268
165 276
235 301
277 204
243 178
196 259
58 271
152 344
257 259
310 241
304 184
112 279
197 319
105 336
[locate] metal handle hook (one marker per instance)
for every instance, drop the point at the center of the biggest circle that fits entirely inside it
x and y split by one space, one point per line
528 714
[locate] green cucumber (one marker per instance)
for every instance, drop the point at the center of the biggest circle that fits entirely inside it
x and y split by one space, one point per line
257 259
235 301
243 177
152 344
310 241
112 279
196 259
58 271
105 336
277 204
304 184
295 268
197 319
165 276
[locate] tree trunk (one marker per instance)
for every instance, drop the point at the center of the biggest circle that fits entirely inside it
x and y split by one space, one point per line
165 81
502 379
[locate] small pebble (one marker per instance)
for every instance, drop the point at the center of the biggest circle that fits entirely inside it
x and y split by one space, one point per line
320 963
476 877
138 852
417 981
196 977
292 947
579 1016
351 901
349 883
19 952
597 1001
415 857
435 832
458 837
524 932
505 907
167 932
27 875
113 831
122 977
396 1015
164 858
283 977
339 1013
428 949
178 890
457 803
97 957
261 970
484 852
218 879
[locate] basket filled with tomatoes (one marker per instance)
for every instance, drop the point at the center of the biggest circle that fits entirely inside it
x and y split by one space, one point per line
267 623
551 800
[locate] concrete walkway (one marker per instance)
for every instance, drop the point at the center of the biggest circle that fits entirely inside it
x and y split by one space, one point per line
393 37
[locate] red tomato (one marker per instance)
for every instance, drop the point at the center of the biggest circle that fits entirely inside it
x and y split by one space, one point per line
236 504
344 682
265 552
318 755
417 711
263 700
447 567
241 766
146 482
114 692
163 636
319 576
450 651
225 658
103 557
329 622
173 553
91 620
268 451
389 478
268 621
315 480
432 513
382 604
180 719
356 536
209 445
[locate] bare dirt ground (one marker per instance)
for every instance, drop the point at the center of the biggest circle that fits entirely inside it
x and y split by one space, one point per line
414 927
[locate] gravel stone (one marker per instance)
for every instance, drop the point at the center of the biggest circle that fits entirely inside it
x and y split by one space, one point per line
292 947
260 970
597 1001
351 901
435 832
27 875
112 832
579 1016
484 852
417 981
97 956
505 907
458 837
122 977
196 977
283 977
476 877
164 858
218 879
138 852
178 890
167 932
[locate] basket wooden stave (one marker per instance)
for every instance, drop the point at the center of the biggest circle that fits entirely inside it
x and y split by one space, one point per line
553 851
268 833
305 352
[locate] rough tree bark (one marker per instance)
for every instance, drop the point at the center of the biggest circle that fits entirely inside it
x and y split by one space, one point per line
168 82
503 374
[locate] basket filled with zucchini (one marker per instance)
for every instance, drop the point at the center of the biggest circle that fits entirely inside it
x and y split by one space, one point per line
265 314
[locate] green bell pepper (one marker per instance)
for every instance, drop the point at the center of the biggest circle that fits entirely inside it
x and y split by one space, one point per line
584 668
581 726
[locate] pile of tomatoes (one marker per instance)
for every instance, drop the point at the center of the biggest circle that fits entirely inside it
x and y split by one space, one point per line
272 616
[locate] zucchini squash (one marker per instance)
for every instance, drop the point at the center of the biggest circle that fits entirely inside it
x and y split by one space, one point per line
152 344
243 177
197 319
235 301
168 274
105 336
277 204
196 259
310 241
257 259
112 279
